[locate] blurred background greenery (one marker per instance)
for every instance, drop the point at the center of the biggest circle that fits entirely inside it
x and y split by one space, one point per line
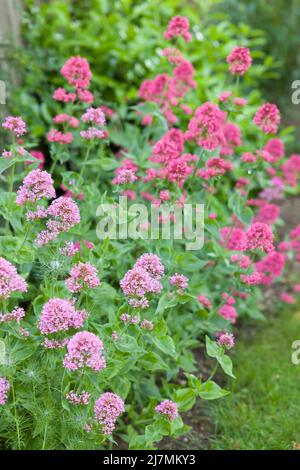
122 39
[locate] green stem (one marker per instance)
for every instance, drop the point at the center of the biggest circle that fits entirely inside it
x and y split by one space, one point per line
24 239
213 371
45 435
16 415
84 161
11 178
52 168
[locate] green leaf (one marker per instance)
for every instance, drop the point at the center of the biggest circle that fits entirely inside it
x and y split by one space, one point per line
211 391
166 345
213 350
185 398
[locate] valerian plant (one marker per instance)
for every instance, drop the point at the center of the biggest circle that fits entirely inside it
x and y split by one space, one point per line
99 337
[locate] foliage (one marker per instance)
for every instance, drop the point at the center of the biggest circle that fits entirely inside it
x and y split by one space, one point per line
122 50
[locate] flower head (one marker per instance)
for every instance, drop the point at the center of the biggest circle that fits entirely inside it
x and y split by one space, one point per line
94 116
226 340
60 315
107 409
168 408
36 185
207 126
267 118
4 388
179 281
178 26
259 236
239 60
10 280
152 264
77 71
82 275
85 349
16 125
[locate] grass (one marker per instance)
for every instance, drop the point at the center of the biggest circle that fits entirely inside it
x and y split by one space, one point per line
262 412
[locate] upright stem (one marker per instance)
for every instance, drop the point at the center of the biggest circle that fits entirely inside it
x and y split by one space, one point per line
53 166
84 161
24 239
213 371
11 178
45 435
16 415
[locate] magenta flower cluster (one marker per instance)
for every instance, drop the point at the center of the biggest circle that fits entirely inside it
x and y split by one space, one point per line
4 388
10 280
37 184
83 275
85 349
143 279
167 408
107 409
60 315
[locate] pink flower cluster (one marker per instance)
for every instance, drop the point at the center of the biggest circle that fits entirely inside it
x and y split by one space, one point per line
94 116
228 312
55 343
226 340
125 176
207 126
251 279
232 136
107 409
215 166
259 236
66 119
64 214
243 261
204 301
77 72
291 170
60 137
233 238
267 118
178 26
60 315
167 91
168 408
143 279
82 398
179 281
82 275
239 60
275 147
85 349
39 156
270 267
17 314
268 213
16 125
36 185
147 325
4 388
10 280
